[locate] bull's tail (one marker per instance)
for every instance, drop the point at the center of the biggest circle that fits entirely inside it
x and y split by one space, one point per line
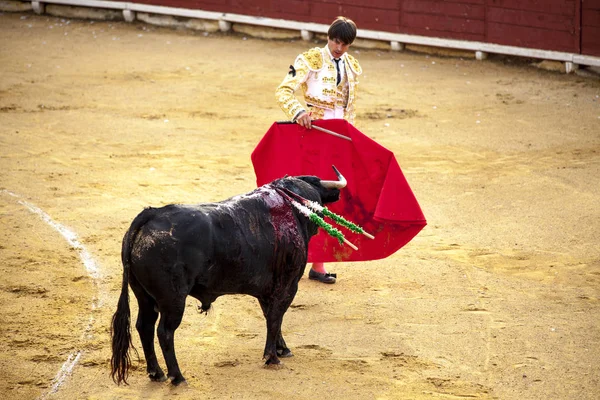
121 336
121 321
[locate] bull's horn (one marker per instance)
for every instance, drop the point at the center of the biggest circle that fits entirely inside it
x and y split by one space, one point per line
339 184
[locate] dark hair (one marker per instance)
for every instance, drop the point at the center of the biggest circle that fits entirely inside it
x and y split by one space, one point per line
343 29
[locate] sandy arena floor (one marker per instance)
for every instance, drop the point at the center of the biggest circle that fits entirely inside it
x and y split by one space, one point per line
496 298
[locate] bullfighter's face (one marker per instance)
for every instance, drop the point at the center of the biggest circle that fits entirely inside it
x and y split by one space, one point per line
337 48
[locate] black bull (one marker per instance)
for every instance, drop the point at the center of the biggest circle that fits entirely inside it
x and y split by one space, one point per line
254 244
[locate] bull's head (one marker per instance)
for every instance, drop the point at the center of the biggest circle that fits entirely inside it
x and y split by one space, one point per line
327 191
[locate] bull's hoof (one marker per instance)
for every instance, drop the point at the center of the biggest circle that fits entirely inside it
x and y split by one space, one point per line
157 376
178 381
274 367
272 362
284 353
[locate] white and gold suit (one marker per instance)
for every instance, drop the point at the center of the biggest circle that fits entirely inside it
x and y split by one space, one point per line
315 71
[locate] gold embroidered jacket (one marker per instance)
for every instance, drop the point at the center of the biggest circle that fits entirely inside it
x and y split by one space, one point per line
316 73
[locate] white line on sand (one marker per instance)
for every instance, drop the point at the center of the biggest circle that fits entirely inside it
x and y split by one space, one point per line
93 271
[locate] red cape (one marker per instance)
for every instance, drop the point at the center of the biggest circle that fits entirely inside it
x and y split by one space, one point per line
377 197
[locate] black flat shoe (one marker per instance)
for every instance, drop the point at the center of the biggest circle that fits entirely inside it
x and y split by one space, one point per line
325 278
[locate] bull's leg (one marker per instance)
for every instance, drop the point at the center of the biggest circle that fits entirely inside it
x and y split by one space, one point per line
280 346
170 318
274 308
273 331
146 320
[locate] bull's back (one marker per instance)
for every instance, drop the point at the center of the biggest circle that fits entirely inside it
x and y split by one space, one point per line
221 247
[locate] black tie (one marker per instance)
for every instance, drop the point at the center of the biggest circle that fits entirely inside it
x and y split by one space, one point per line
337 65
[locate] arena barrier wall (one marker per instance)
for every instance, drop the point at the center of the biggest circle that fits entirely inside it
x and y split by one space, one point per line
558 30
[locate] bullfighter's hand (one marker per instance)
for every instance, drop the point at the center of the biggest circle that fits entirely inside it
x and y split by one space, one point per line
304 120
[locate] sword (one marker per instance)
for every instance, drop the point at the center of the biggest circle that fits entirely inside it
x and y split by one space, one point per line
320 129
330 132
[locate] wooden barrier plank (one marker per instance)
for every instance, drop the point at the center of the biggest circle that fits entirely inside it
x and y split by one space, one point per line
365 18
380 4
441 23
537 38
298 10
590 41
590 18
449 8
557 22
563 7
591 5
